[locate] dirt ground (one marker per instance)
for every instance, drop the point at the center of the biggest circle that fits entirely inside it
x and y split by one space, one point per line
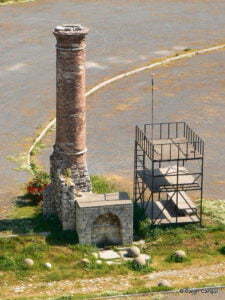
180 278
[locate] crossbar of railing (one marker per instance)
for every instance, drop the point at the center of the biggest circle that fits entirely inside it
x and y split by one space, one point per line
164 123
144 143
192 139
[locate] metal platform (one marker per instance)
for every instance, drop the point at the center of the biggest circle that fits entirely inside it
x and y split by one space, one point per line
168 179
164 213
168 163
183 202
173 149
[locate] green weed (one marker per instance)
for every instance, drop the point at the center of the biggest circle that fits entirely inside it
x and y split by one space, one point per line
101 185
222 250
143 269
177 259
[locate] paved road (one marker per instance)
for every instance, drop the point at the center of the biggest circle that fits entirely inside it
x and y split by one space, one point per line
201 295
190 90
123 35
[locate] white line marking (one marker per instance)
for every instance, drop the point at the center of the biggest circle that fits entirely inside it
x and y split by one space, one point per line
121 76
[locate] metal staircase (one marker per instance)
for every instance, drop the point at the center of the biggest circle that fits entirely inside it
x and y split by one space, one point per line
162 179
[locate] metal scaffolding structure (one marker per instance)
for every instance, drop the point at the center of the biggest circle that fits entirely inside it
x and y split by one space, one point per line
168 167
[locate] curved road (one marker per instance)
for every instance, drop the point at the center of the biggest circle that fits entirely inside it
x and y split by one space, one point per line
123 35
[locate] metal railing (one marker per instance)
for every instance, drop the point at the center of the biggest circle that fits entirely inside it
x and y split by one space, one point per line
191 146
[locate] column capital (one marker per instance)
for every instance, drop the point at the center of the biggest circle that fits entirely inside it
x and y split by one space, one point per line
70 37
70 31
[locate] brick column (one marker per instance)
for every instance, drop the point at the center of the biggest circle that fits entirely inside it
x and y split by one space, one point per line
70 145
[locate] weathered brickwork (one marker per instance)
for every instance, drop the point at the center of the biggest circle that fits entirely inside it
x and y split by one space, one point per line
70 145
98 219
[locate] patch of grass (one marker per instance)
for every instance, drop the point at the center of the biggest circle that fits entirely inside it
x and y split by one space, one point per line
218 281
139 221
222 250
143 290
85 249
7 263
130 291
132 265
37 149
215 209
177 259
101 185
59 237
20 160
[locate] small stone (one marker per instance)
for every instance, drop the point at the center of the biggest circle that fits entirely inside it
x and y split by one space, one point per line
164 282
140 242
109 262
140 260
180 253
95 254
48 265
133 251
98 262
146 256
29 262
108 254
85 261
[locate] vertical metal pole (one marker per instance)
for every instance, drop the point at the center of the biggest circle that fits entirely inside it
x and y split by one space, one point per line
177 191
152 204
135 167
201 205
152 106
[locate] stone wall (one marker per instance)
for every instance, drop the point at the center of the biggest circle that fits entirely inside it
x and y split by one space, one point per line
86 216
93 223
106 230
59 199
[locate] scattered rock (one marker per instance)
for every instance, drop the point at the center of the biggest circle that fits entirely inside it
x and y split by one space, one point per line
29 262
85 261
140 242
140 260
164 282
108 254
98 262
180 253
133 251
146 256
48 265
109 262
124 255
95 254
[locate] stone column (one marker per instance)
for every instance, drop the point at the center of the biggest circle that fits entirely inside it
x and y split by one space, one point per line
69 155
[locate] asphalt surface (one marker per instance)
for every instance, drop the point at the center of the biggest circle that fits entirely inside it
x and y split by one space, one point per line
123 35
182 93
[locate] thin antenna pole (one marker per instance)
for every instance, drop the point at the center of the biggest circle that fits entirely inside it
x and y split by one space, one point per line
152 106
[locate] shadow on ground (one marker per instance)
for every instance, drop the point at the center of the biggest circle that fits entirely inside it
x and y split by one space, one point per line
36 224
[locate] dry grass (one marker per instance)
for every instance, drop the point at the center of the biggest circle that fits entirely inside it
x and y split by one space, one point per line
215 209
